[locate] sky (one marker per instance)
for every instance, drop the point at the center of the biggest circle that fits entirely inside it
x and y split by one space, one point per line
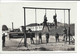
13 12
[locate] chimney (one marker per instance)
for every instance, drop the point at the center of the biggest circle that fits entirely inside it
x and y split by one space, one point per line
12 26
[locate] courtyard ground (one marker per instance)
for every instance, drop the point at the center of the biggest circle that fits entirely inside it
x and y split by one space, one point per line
12 45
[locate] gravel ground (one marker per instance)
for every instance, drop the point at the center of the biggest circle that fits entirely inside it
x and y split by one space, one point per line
12 45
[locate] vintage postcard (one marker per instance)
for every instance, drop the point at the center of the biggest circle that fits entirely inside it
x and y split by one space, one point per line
31 27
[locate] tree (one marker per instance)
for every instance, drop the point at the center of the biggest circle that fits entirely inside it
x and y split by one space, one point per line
4 28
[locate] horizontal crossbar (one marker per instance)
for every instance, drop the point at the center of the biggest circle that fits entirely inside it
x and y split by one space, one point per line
46 8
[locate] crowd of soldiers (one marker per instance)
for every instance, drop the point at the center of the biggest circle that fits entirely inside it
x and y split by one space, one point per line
40 37
47 36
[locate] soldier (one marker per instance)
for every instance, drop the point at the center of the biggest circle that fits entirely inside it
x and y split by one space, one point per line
47 37
65 34
45 22
3 40
40 37
57 37
55 20
31 36
32 40
29 30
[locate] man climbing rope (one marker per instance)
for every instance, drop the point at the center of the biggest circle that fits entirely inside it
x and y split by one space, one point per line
55 20
45 22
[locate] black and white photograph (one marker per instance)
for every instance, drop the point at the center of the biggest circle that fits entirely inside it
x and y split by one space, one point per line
38 26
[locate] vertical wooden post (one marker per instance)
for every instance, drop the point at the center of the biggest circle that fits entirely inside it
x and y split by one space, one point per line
36 25
69 24
12 26
25 44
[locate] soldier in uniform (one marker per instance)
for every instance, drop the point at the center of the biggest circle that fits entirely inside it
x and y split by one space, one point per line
55 20
47 37
40 37
32 40
57 37
45 22
31 36
65 34
3 40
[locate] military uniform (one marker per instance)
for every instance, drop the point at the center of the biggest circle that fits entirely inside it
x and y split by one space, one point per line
57 37
65 34
45 22
40 37
3 40
32 41
55 20
47 37
31 36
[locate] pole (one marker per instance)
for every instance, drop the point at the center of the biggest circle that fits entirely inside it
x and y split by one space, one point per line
25 44
64 18
36 25
12 26
69 24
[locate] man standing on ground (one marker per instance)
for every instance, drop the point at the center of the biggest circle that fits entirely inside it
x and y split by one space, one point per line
3 40
31 36
40 37
47 37
65 34
57 37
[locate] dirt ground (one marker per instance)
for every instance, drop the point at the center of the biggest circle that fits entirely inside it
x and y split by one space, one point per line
12 45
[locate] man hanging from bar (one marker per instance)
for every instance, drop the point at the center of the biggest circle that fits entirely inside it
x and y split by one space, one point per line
55 20
45 22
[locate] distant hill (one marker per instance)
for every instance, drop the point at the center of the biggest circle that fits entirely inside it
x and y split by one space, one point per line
36 24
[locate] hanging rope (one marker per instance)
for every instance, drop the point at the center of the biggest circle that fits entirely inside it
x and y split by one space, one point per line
64 18
45 11
55 13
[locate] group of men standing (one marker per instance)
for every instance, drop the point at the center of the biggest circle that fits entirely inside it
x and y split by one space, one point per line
56 36
47 35
40 37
